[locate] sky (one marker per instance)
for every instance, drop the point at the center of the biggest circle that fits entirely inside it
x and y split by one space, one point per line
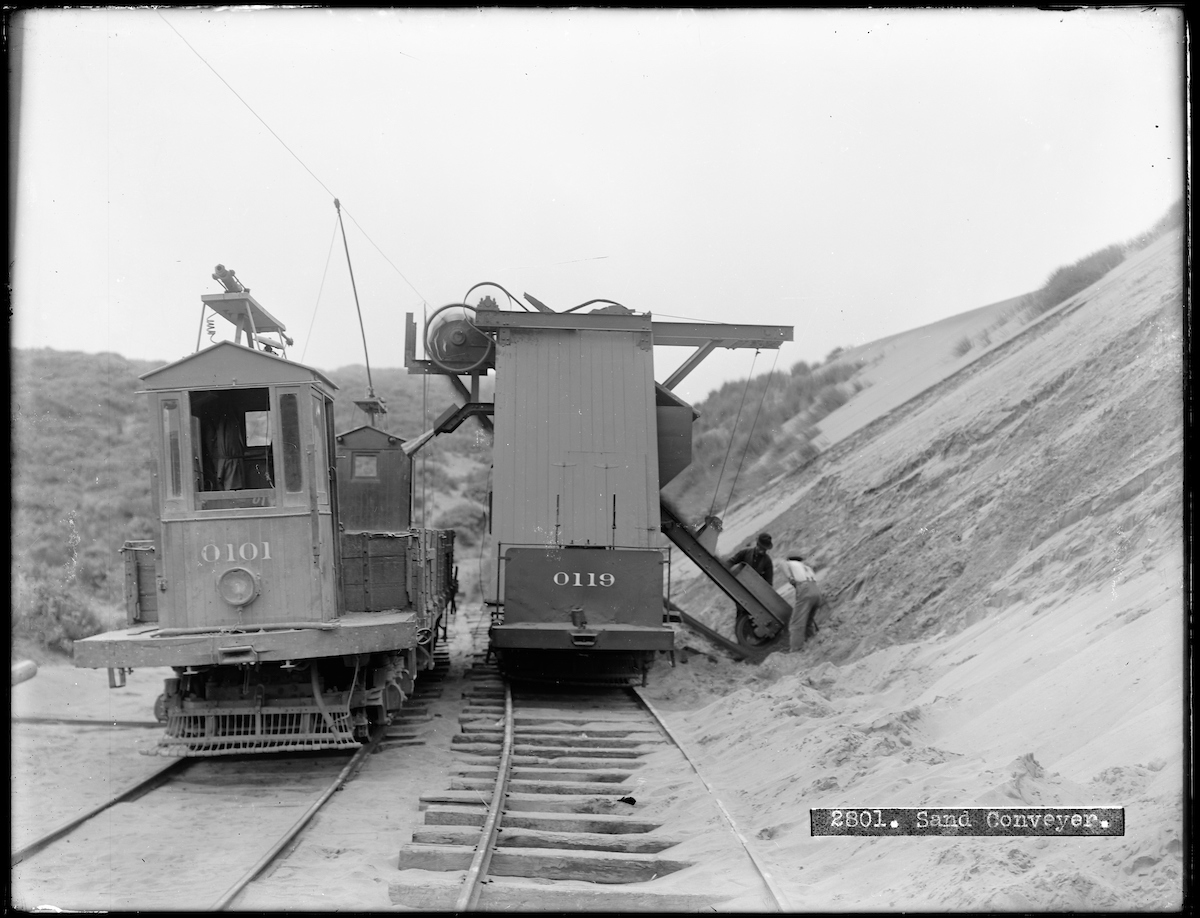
852 173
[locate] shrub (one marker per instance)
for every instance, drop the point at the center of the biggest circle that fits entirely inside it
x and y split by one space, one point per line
964 344
830 399
1068 280
468 520
51 614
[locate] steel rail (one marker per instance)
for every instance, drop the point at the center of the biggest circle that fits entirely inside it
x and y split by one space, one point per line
773 889
53 835
355 763
468 898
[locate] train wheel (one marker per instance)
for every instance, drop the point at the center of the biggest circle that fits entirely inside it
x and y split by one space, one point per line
747 636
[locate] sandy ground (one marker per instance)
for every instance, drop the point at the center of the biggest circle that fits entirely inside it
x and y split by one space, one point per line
346 860
1001 557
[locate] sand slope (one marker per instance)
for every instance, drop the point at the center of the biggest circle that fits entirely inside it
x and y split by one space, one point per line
1002 557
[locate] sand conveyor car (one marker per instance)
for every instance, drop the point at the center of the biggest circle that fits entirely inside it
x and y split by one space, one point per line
289 623
584 438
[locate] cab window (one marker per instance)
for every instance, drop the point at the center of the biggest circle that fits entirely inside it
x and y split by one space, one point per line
232 449
289 415
172 454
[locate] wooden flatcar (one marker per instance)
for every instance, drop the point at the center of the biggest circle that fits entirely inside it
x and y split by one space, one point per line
291 621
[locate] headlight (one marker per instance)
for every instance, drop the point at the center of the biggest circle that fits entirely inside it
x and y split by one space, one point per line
238 586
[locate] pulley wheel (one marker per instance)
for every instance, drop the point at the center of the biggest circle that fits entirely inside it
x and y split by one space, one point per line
746 635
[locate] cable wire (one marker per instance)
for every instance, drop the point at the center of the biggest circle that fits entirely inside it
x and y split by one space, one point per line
381 252
245 103
732 434
353 286
320 290
292 152
511 298
761 399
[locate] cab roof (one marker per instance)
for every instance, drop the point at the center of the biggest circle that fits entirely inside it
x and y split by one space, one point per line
229 364
368 437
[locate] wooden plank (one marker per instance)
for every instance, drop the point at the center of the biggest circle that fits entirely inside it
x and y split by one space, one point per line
633 741
598 775
614 718
639 843
466 746
579 822
543 787
587 729
592 866
569 787
577 763
438 834
449 815
443 815
554 752
491 738
453 798
436 857
605 804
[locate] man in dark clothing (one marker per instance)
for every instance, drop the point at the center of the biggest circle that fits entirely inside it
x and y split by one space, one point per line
760 561
757 558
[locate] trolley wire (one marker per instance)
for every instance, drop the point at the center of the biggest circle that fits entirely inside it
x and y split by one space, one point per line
290 151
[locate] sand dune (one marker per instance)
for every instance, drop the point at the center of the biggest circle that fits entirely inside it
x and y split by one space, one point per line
1003 559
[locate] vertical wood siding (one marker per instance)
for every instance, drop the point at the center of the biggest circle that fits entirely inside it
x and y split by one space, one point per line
575 421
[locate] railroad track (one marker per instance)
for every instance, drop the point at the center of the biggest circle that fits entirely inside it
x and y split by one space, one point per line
574 799
183 835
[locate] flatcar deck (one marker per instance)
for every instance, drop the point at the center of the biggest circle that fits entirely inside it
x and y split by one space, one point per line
150 645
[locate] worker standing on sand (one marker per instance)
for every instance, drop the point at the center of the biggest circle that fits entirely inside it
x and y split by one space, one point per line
808 599
758 559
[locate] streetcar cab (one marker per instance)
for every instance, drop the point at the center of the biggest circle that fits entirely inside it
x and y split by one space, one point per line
242 447
241 591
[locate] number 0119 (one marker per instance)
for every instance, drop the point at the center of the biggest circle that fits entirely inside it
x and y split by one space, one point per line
583 579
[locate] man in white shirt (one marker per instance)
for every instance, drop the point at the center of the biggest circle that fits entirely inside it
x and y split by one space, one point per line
808 599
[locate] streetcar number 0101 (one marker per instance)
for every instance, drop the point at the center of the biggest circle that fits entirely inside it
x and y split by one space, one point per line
587 579
247 551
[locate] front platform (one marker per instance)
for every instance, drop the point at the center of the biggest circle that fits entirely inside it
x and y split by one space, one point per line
150 645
